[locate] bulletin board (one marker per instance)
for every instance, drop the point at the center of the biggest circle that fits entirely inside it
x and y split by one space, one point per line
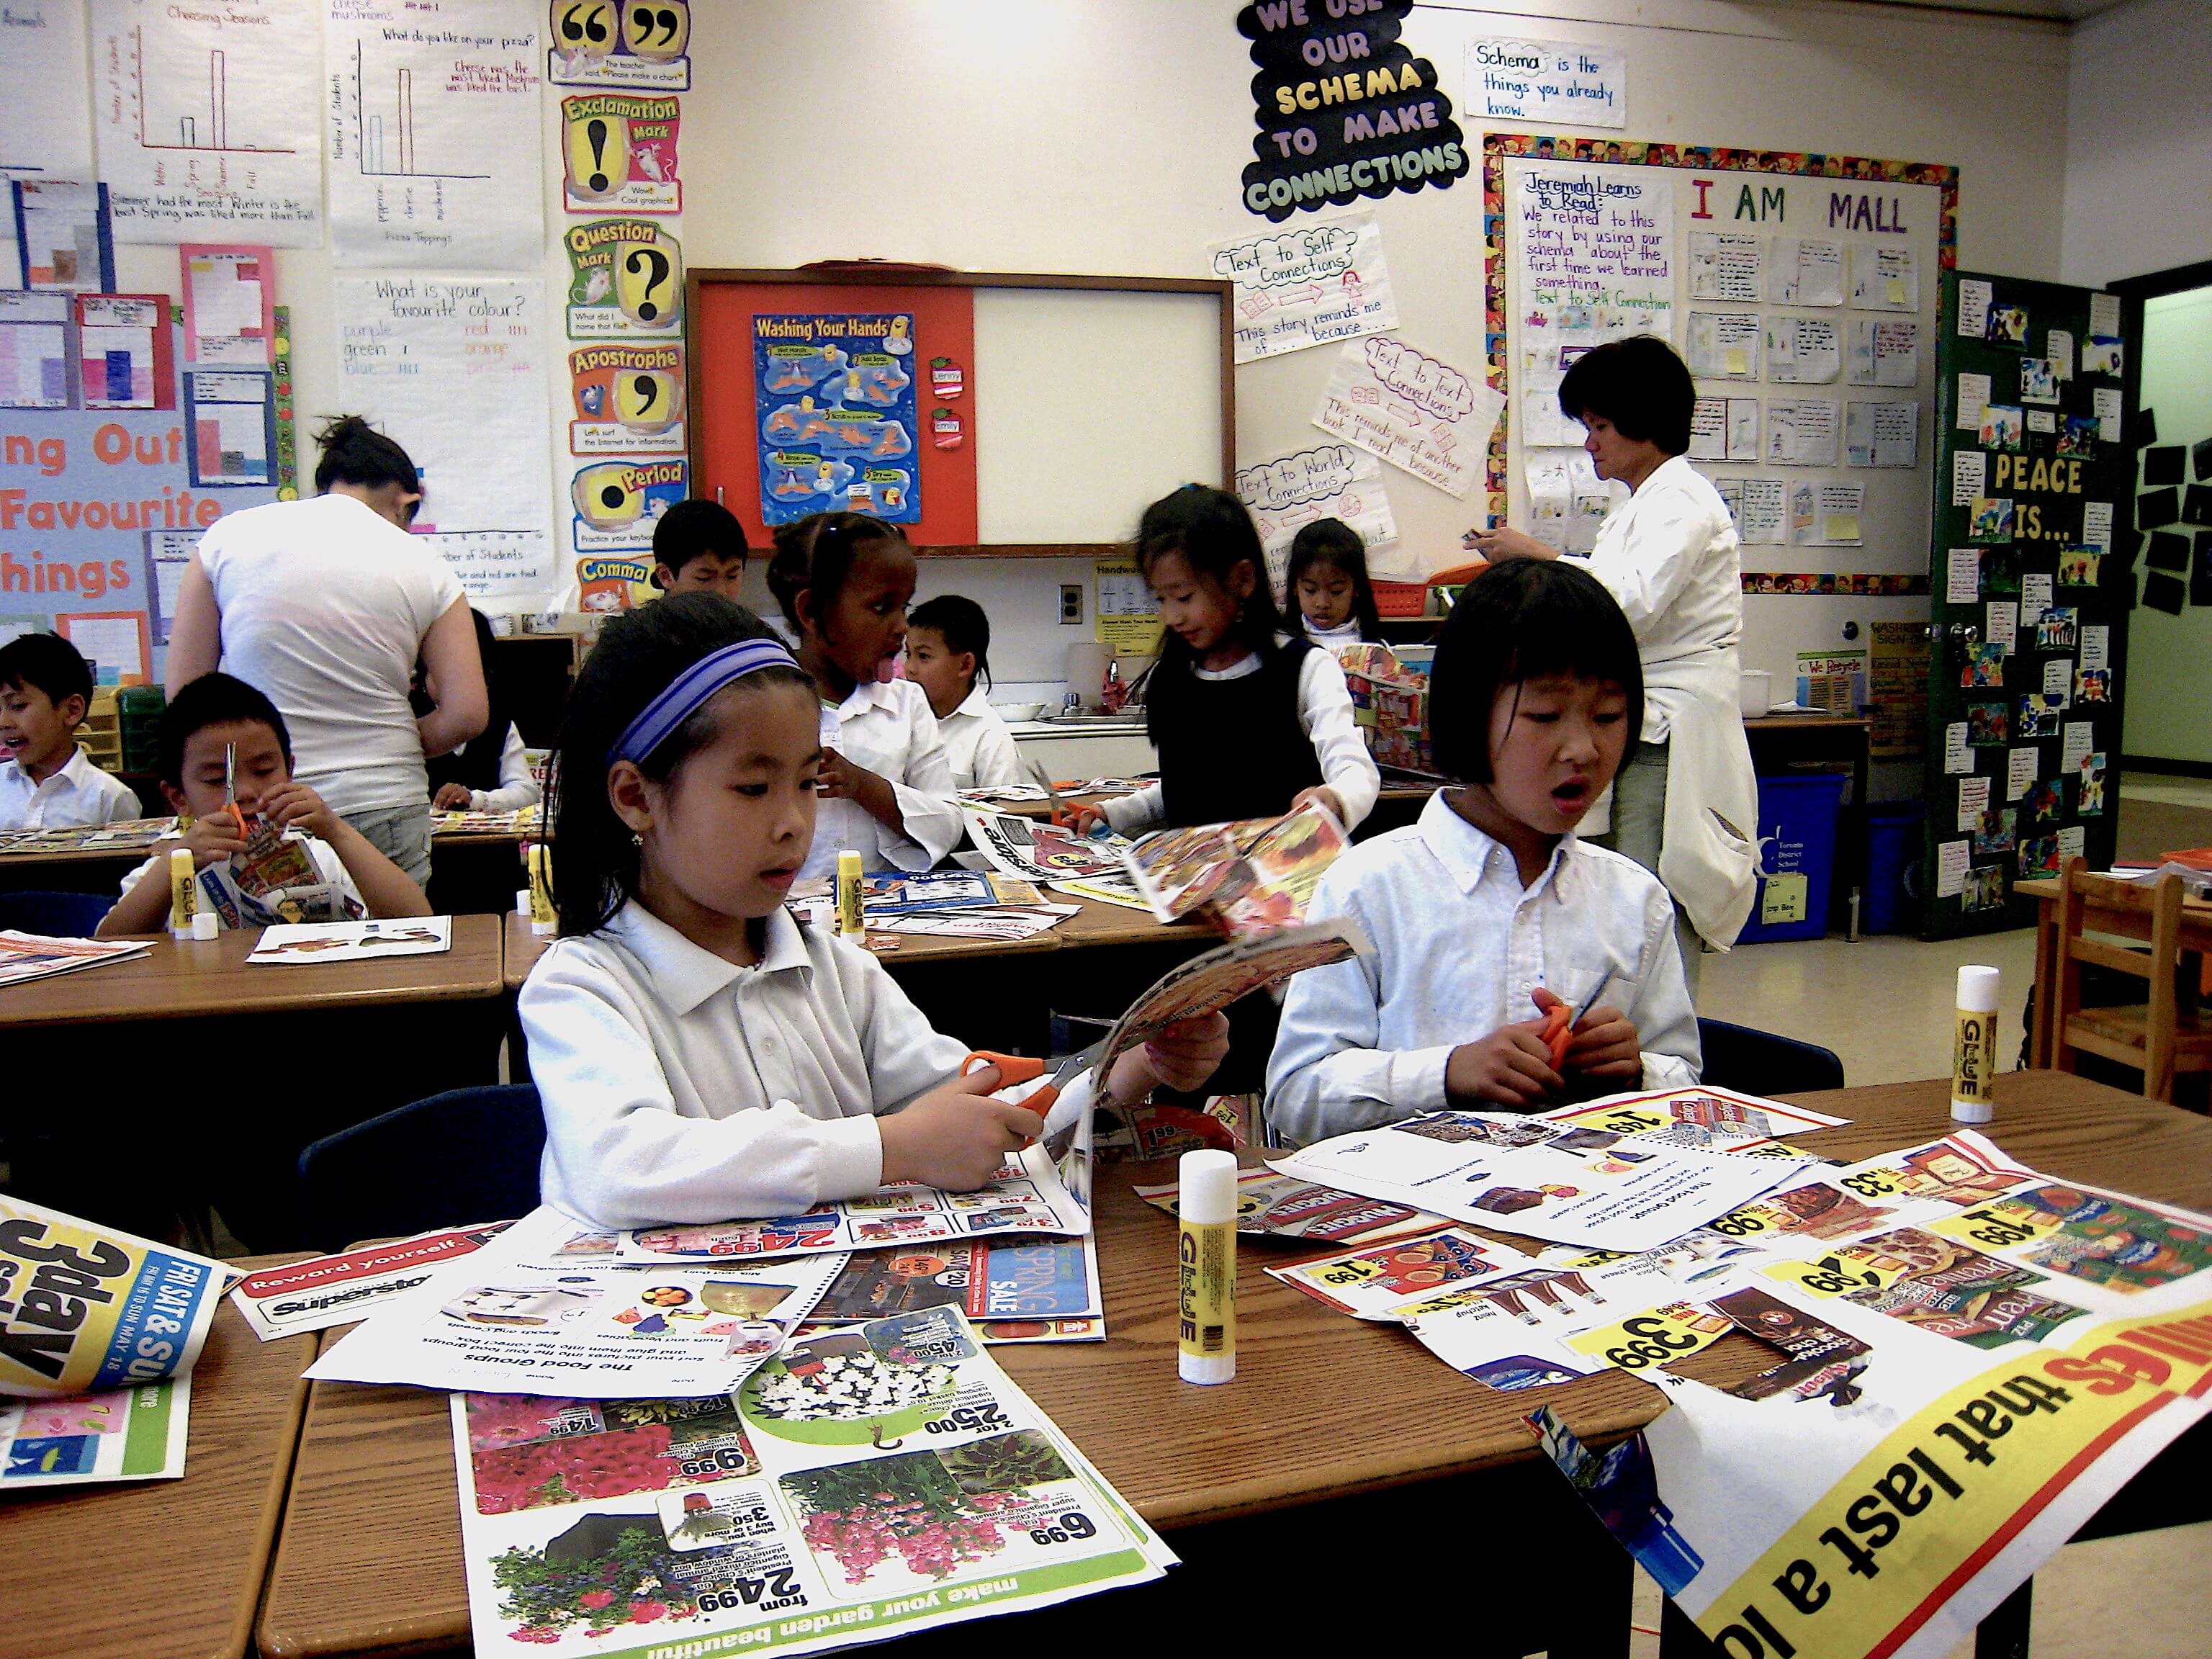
1049 409
1803 290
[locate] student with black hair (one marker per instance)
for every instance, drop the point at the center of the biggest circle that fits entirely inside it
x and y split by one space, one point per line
1332 601
47 782
1248 721
843 581
948 656
700 1053
222 742
699 544
1687 807
1490 914
490 773
326 605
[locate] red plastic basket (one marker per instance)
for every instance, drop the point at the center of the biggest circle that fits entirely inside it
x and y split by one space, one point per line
1401 598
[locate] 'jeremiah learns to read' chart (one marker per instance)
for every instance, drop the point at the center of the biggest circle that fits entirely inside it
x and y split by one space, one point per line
835 401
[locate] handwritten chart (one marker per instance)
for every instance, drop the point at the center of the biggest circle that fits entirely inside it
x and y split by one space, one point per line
45 123
431 120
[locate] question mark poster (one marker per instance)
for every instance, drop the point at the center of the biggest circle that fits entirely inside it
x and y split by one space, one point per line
627 399
1306 286
625 279
835 404
618 150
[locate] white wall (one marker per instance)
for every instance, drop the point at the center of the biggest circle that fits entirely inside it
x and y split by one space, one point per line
2169 696
2139 142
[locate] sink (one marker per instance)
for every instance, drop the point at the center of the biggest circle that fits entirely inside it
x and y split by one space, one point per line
1131 720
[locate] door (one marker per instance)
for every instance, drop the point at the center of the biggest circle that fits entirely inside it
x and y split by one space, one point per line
2030 571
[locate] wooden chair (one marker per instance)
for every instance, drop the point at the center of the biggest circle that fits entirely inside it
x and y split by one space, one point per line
2159 1037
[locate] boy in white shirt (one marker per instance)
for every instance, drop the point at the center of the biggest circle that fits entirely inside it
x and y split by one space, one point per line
948 655
227 765
46 782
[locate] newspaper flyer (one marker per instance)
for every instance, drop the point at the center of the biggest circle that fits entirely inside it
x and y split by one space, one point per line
1286 1207
1373 1282
546 1308
1572 1186
1017 846
1009 1332
1705 1118
337 1290
994 1279
27 957
354 941
1004 926
872 1481
1251 879
121 835
118 1434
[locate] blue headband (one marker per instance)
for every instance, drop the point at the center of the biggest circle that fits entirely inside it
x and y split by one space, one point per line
688 691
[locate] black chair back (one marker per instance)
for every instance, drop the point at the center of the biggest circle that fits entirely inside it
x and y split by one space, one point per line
57 915
1760 1063
455 1158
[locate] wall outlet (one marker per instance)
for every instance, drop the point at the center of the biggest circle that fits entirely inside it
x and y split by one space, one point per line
1070 602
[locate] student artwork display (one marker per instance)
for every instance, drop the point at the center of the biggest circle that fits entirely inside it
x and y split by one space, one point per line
1330 133
1405 407
836 407
206 120
433 126
1329 481
619 149
63 236
45 112
455 370
229 293
603 43
1306 286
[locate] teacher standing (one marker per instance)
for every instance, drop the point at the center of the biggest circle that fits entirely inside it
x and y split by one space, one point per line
325 605
1685 806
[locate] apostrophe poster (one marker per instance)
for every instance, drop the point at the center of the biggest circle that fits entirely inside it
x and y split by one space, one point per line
834 400
1344 110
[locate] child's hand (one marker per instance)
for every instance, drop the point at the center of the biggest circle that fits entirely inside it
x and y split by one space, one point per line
841 778
451 798
1180 1056
1082 820
1510 1067
213 839
956 1137
1605 1044
293 805
1322 796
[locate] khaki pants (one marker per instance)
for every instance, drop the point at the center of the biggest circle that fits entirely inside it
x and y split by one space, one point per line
1639 830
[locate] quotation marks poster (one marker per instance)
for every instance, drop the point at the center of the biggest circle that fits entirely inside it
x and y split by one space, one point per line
1340 120
601 43
834 396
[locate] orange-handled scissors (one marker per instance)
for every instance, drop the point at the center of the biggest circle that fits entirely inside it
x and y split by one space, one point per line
1020 1069
1559 1033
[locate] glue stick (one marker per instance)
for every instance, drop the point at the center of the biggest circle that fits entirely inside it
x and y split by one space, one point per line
1974 1056
182 892
537 859
850 924
1206 1267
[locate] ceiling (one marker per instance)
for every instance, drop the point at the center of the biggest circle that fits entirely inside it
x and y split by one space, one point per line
2057 11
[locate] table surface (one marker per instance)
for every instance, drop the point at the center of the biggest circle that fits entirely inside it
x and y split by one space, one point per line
177 981
1322 1404
2048 889
167 1569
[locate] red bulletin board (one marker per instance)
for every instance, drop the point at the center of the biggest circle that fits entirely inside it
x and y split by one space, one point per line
725 455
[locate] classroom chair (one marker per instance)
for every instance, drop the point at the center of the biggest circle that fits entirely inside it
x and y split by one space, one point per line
58 915
2164 1034
456 1158
1762 1063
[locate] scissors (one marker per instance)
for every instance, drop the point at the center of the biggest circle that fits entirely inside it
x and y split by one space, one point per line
230 787
1063 809
1020 1069
1559 1024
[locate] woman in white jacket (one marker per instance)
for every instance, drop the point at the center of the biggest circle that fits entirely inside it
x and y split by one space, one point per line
1687 806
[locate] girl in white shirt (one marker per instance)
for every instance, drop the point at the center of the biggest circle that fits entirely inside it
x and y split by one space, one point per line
1332 602
948 655
701 1054
844 581
490 772
1489 914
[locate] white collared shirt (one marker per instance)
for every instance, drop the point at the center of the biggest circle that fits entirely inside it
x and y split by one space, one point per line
1668 555
978 746
517 787
1335 639
1324 713
1459 945
77 795
889 729
680 1087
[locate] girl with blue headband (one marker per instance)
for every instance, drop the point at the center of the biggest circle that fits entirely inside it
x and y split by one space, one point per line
702 1055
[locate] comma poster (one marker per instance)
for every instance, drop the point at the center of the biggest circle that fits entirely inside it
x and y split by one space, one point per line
1344 110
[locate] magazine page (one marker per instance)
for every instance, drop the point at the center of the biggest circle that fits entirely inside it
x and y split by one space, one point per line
1028 1196
118 1434
872 1481
1107 889
27 957
1270 1202
545 1308
337 1290
123 835
1177 870
1017 846
472 822
1704 1117
900 893
1572 1186
1284 862
354 941
1373 1282
987 1280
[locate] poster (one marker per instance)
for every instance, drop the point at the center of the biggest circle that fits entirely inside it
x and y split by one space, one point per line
1543 81
616 504
625 277
455 370
1411 410
1329 481
835 401
1387 125
431 117
619 153
627 397
230 415
1306 286
35 343
206 119
1126 621
46 117
1595 250
63 236
601 43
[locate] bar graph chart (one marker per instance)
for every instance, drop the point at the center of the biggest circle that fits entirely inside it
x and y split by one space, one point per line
196 113
384 126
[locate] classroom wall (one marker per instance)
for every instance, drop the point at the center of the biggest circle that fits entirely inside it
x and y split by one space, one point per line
2139 142
2168 704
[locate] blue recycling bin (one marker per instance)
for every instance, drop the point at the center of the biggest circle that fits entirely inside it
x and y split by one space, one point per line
1797 816
1893 886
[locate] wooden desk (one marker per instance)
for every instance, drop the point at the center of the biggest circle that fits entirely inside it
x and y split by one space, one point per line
481 868
182 981
167 1569
2043 1035
1324 1406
